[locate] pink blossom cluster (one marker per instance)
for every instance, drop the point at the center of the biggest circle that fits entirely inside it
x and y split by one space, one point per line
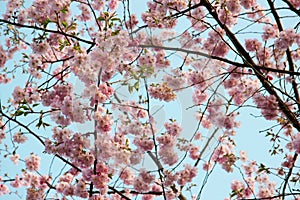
187 41
198 79
3 57
43 9
233 6
29 94
257 183
2 135
264 54
167 142
85 14
147 60
266 187
98 94
11 7
142 182
247 4
257 13
237 83
36 183
197 19
194 151
215 45
250 168
161 62
111 53
270 32
3 188
285 40
137 128
253 45
219 118
241 190
227 17
156 15
295 3
186 175
4 79
15 158
162 92
268 105
113 149
101 179
67 108
104 122
19 138
71 145
144 143
289 160
296 142
32 162
132 22
176 81
64 185
127 176
224 155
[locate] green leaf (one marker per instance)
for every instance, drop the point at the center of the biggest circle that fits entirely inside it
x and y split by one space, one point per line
18 113
39 123
34 105
45 124
101 18
115 19
46 22
64 10
106 14
24 55
136 86
24 107
115 33
65 24
130 88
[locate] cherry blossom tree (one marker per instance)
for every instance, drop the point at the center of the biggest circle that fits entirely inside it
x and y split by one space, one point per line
79 80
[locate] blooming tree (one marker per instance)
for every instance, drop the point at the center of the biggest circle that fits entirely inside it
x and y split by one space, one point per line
102 65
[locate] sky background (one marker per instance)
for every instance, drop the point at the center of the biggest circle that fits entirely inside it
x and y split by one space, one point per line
218 186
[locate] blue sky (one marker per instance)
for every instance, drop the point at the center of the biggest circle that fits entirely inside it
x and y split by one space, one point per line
218 186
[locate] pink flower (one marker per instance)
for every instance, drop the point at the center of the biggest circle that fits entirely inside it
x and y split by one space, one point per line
127 176
15 158
19 138
173 128
185 176
3 189
2 135
295 3
143 181
194 152
247 4
16 183
270 32
252 44
144 143
234 6
33 162
162 92
3 57
289 162
168 155
285 40
296 143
